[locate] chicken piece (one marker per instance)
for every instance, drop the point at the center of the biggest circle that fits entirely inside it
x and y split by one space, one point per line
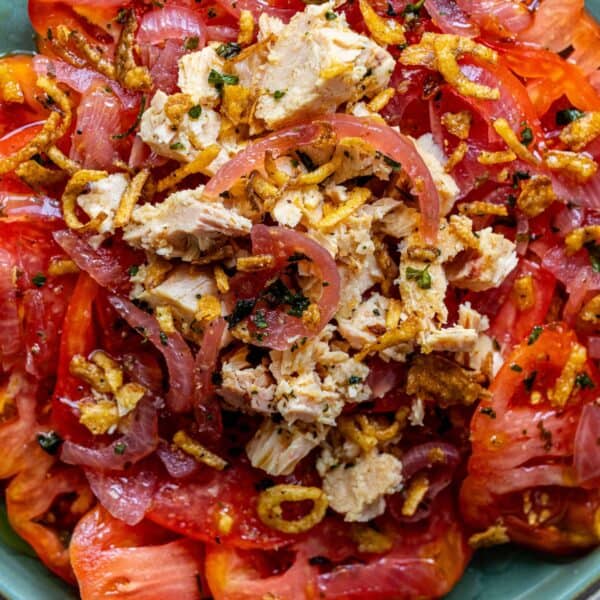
358 490
246 387
452 339
435 159
314 380
496 257
294 204
400 222
359 159
365 323
194 71
483 357
181 290
352 246
103 196
318 63
278 447
184 226
181 140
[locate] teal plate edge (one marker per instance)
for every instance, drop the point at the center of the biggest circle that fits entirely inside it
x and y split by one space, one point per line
503 573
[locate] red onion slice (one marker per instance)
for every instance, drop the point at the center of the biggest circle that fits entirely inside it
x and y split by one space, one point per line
172 346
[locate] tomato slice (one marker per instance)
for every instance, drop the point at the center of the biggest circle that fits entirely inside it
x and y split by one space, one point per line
44 502
145 562
424 562
196 507
521 471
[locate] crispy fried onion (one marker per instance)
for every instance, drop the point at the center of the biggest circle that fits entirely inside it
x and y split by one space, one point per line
271 513
54 128
61 161
128 73
580 236
577 166
36 175
367 433
404 333
356 198
504 130
86 54
195 449
383 31
561 392
198 165
247 27
130 197
440 52
78 185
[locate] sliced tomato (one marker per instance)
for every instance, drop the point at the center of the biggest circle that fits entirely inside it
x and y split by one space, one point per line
43 502
552 77
32 303
197 505
524 447
510 324
78 337
424 562
145 562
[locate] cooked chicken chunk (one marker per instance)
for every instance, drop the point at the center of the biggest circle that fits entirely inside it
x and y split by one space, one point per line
184 226
358 490
317 62
278 447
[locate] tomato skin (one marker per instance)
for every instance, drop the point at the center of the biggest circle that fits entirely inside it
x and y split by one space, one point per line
521 448
145 562
425 562
193 506
510 324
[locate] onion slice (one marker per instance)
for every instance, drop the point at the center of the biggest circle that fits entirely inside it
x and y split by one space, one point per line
172 346
138 442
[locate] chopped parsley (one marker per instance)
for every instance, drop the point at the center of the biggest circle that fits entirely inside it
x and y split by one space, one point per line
164 338
243 309
219 80
354 380
195 111
120 448
278 293
594 253
534 335
133 270
191 43
38 280
516 367
568 115
583 380
421 276
49 441
518 176
260 320
526 135
176 146
390 162
122 16
530 380
229 50
490 412
413 9
278 94
330 15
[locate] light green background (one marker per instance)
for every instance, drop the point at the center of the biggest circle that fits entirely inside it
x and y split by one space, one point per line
498 574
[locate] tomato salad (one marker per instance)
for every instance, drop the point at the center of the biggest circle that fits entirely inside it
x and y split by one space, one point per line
299 300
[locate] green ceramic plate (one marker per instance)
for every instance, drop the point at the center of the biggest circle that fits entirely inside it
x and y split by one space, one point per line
504 573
